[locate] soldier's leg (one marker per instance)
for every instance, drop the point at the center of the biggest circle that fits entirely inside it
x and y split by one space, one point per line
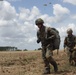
74 57
57 51
69 57
46 63
68 54
53 62
50 58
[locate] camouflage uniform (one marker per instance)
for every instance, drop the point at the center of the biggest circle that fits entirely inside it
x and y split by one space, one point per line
74 55
70 42
46 40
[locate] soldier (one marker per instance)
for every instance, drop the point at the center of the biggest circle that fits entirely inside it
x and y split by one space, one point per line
69 43
46 37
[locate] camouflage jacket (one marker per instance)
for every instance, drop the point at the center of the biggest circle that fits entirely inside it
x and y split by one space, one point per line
42 35
70 41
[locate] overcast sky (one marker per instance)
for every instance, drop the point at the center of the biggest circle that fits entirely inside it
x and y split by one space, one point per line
17 20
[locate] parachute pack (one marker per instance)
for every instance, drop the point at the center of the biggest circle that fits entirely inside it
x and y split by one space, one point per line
56 41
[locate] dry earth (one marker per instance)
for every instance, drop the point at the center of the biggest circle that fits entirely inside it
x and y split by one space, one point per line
31 63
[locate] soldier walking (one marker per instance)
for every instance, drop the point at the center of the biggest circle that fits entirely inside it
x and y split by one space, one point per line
46 38
69 43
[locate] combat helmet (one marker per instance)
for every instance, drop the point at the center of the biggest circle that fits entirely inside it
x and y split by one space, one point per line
39 21
69 30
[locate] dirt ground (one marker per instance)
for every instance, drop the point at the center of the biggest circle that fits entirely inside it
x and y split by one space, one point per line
31 63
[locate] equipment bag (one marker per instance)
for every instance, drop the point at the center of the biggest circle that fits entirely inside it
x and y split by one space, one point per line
56 41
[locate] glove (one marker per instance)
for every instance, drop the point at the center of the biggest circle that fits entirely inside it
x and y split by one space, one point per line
38 41
71 50
49 38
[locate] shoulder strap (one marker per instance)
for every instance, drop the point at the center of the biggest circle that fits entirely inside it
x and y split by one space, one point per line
46 31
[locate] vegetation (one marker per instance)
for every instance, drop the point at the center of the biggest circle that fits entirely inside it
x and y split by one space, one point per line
31 63
25 50
7 48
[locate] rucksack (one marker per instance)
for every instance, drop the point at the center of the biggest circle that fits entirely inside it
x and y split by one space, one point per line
56 41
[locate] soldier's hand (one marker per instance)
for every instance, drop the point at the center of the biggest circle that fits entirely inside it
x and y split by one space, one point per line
71 50
48 39
38 41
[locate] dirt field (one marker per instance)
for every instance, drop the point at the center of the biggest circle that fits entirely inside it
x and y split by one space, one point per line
31 63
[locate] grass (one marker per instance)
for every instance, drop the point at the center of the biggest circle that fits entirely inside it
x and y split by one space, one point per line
31 63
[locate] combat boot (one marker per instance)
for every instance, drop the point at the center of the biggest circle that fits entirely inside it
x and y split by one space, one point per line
75 63
46 71
56 69
55 66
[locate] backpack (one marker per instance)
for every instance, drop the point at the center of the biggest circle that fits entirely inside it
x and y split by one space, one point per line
56 41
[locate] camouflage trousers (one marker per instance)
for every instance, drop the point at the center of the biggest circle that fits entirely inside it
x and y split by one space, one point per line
71 55
47 57
74 55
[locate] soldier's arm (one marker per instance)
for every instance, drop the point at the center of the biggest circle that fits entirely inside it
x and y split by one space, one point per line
75 44
52 33
75 40
65 43
38 37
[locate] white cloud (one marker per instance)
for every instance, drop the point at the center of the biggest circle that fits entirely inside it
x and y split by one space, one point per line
73 16
26 14
16 29
31 40
19 29
70 1
3 23
7 11
60 12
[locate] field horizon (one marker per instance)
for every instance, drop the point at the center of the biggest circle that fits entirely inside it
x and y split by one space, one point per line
31 63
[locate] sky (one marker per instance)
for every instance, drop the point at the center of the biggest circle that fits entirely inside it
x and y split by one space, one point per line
17 20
